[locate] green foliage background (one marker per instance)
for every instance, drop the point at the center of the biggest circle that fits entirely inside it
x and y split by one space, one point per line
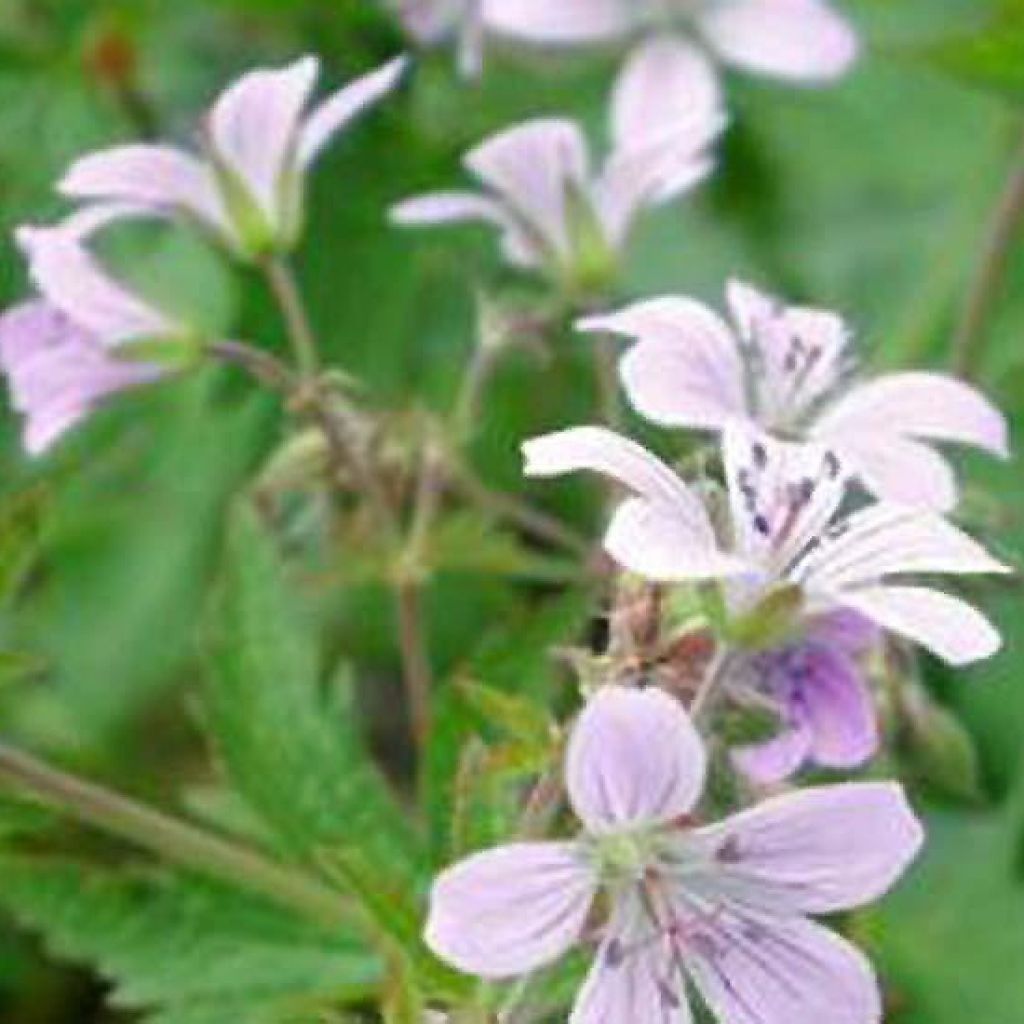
134 611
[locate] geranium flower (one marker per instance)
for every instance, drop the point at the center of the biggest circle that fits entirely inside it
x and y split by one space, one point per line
721 906
671 71
246 187
788 370
787 540
59 372
553 213
817 688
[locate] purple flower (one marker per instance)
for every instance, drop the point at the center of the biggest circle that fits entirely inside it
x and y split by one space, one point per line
553 212
818 690
59 372
722 907
787 534
258 143
432 22
671 69
787 370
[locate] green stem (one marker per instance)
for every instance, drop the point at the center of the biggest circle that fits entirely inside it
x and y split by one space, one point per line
417 674
710 688
606 370
281 280
171 839
984 292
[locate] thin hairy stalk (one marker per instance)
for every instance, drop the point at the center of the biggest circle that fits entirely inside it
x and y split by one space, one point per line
606 371
281 280
710 689
171 839
263 367
417 674
471 391
1003 230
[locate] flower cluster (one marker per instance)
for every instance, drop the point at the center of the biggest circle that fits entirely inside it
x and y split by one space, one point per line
795 551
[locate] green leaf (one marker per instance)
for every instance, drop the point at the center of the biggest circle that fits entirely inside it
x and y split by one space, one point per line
183 944
291 748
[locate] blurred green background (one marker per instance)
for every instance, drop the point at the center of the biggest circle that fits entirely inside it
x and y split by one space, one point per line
873 197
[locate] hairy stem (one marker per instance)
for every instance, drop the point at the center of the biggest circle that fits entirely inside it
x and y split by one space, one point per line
710 690
171 839
1004 227
281 280
609 401
417 675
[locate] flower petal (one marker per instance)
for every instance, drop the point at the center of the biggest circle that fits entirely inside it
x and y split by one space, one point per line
805 40
164 178
565 22
786 971
510 910
948 627
445 208
685 370
840 711
73 281
886 539
634 758
666 87
668 533
630 988
254 128
899 469
340 109
845 631
775 759
531 167
812 851
58 372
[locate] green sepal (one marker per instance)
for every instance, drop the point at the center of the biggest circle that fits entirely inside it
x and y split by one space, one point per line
773 622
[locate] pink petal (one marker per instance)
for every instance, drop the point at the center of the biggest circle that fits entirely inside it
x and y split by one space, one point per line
846 631
564 22
804 40
339 110
70 278
887 539
666 87
685 370
531 168
445 208
643 177
898 469
776 759
161 177
58 373
813 851
639 987
786 971
840 713
634 758
667 534
510 910
254 129
948 627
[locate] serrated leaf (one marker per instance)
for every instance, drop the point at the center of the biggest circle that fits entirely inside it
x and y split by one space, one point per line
297 761
182 943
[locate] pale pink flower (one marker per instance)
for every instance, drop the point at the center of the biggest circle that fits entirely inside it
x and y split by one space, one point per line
59 372
246 186
816 685
723 907
786 532
788 370
671 71
554 213
435 22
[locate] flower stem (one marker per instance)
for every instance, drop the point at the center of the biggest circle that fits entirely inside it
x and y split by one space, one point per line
609 402
281 280
171 839
1002 232
417 674
710 688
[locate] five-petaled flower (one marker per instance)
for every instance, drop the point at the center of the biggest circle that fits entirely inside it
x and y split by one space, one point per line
554 213
788 371
788 544
723 906
257 144
671 71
